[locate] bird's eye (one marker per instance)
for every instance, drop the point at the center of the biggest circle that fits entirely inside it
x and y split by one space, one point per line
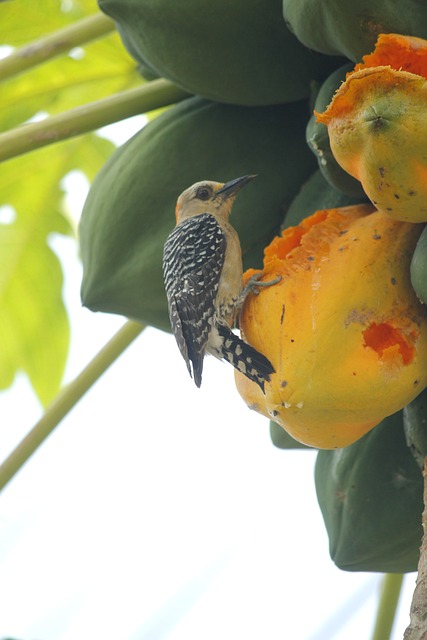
203 193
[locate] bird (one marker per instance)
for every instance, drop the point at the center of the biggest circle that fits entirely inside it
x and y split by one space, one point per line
203 277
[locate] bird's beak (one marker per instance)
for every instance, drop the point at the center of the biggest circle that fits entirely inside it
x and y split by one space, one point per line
233 186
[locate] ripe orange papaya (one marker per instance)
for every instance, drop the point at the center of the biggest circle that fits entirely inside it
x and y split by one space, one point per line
343 328
378 129
371 498
130 207
231 52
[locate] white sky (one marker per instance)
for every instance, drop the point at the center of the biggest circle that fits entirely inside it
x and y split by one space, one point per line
160 511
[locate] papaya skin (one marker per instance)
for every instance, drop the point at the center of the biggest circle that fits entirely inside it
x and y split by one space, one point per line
343 328
231 52
378 129
371 498
351 27
318 140
419 268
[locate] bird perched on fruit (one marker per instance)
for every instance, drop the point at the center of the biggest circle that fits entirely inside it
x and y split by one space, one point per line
202 266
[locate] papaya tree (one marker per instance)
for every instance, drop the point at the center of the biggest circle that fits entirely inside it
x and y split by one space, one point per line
339 213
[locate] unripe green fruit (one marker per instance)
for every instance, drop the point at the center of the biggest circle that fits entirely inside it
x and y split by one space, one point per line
233 52
371 497
351 27
130 207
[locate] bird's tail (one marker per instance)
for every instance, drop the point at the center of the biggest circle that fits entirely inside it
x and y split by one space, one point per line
245 358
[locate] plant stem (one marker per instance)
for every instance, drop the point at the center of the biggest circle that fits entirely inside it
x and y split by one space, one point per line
28 137
417 629
54 44
67 399
387 607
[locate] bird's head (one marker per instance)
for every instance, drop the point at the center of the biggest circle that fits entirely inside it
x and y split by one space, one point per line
209 197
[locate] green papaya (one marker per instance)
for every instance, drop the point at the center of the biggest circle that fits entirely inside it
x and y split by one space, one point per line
371 498
233 52
144 68
415 425
317 194
351 27
130 207
419 267
318 139
282 440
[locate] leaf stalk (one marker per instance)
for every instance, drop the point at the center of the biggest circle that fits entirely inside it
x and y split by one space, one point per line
387 607
28 137
53 45
67 399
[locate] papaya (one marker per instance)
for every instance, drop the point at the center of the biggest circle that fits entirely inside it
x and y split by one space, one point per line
415 425
282 440
318 139
144 67
371 498
238 53
351 27
343 328
419 267
378 129
317 194
130 207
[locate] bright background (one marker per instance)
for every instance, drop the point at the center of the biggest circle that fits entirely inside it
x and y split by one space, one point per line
160 511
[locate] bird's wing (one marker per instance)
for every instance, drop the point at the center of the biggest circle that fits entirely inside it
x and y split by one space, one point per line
193 259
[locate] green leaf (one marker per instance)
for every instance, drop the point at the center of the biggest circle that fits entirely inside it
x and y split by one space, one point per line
63 83
33 320
27 20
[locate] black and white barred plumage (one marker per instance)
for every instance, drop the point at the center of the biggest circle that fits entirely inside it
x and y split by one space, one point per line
193 259
203 281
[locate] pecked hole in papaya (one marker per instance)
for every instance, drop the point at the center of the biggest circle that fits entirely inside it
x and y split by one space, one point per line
291 238
381 337
403 53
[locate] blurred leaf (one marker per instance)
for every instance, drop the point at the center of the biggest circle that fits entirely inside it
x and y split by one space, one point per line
27 20
33 320
100 69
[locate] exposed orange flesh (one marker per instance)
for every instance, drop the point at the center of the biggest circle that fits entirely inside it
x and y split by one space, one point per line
381 337
343 328
403 53
351 96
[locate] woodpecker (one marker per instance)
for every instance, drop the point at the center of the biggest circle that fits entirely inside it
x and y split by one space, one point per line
202 267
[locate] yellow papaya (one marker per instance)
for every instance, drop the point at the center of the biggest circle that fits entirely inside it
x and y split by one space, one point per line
343 328
130 208
377 126
233 52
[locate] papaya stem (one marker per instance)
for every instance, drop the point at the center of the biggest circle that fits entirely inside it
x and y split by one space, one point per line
149 96
387 607
67 398
417 629
55 44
